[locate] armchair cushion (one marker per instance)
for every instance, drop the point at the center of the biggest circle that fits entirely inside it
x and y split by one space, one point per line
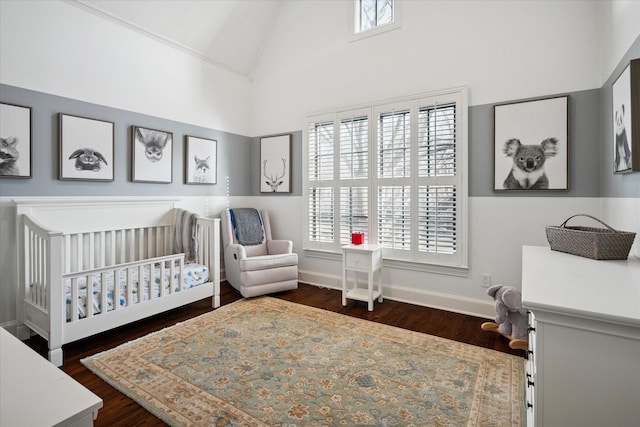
268 262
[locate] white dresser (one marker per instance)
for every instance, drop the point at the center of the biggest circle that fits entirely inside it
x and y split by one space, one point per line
584 342
34 393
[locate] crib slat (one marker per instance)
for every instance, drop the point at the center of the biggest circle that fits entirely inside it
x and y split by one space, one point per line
141 285
152 282
92 247
102 248
172 269
89 299
67 253
103 293
129 286
74 300
163 288
117 289
80 249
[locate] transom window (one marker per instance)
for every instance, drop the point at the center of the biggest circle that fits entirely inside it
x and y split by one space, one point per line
372 14
395 171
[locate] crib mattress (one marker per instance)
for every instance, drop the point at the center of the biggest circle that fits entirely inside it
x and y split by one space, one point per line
194 275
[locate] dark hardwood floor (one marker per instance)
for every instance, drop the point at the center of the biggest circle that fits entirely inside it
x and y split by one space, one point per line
119 410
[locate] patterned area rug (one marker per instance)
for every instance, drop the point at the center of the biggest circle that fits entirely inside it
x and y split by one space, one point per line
269 362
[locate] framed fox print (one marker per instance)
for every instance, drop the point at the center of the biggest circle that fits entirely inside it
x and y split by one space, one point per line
200 160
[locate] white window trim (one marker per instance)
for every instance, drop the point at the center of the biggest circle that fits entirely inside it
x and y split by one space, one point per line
442 264
355 36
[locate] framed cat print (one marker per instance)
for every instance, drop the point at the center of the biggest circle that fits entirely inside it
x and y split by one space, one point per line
15 141
200 160
152 155
86 149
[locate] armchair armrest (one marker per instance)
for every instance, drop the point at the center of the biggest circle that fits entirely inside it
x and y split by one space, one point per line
237 251
279 247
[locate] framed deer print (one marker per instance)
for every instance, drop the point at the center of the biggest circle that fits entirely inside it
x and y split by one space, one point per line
275 163
200 160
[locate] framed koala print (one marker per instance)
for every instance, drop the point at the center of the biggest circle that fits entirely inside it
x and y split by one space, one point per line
531 142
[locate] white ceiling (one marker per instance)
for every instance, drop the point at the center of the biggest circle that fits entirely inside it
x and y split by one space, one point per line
228 33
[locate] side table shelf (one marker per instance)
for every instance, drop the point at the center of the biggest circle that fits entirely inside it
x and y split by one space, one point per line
362 259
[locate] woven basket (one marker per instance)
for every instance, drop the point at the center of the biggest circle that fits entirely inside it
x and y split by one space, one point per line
589 242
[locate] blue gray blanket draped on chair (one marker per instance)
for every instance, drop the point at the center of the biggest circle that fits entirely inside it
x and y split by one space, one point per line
247 226
185 235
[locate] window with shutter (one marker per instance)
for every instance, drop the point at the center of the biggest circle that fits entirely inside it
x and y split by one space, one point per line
400 179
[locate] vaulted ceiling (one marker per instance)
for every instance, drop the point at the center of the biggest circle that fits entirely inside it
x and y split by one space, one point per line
228 33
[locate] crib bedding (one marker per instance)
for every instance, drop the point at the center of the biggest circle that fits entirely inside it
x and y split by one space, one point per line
194 275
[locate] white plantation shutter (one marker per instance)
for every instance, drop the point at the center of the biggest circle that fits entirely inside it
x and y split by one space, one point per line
321 202
354 175
437 190
320 209
394 217
395 172
354 213
354 148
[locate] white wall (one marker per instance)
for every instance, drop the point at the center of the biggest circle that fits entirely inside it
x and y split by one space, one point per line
56 48
619 28
502 50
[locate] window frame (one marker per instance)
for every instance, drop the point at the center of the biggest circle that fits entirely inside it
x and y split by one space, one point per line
354 22
456 264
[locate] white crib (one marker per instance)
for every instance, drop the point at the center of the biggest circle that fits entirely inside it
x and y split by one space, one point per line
108 253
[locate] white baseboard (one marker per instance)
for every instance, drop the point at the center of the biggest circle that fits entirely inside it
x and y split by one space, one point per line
448 302
10 327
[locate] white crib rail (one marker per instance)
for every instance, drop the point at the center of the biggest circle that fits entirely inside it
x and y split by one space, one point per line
173 263
96 249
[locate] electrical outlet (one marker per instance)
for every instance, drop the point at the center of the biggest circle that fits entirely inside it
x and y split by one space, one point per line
486 280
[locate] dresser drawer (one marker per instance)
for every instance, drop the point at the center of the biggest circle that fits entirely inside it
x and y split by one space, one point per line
358 261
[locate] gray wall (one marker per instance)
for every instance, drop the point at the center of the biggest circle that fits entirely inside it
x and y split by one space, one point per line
584 155
590 159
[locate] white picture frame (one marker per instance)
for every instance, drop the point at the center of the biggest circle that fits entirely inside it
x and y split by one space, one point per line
86 148
152 155
275 164
531 145
200 160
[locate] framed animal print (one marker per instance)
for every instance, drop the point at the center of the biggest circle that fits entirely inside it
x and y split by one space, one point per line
15 141
626 119
200 160
152 155
531 144
275 163
86 148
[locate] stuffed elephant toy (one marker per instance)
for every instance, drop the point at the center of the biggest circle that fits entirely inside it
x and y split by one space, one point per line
510 317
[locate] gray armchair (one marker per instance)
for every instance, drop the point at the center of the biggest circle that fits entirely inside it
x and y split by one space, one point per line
255 264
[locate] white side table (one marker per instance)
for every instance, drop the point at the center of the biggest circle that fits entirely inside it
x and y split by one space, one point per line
363 259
